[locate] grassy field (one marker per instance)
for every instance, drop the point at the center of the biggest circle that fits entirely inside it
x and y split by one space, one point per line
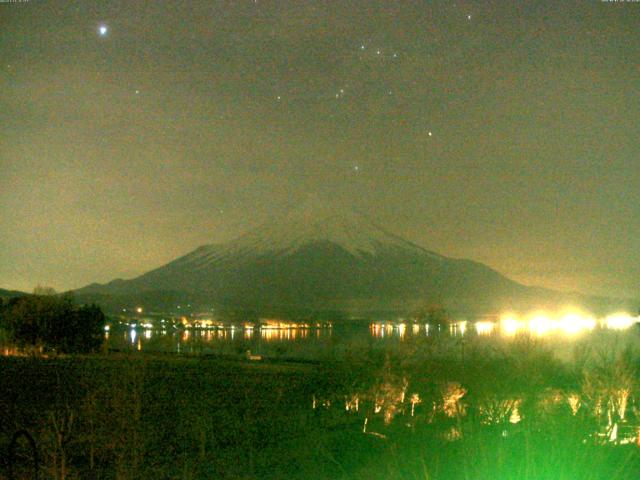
415 411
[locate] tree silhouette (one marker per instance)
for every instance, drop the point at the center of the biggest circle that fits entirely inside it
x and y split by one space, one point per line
37 322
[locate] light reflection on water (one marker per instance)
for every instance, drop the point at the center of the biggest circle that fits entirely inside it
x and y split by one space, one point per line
201 340
560 328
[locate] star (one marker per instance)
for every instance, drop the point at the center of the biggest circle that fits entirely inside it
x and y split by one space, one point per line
356 168
468 17
103 30
430 134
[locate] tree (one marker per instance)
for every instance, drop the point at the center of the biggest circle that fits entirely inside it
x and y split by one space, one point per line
53 322
44 290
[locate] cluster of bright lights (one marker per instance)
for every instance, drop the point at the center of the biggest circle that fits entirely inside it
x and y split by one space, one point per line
463 327
279 325
484 328
541 324
458 328
619 321
511 325
380 330
282 334
570 323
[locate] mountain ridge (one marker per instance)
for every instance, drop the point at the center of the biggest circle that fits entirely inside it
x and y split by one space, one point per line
333 261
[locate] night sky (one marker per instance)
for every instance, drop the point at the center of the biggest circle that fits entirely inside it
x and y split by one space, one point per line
507 132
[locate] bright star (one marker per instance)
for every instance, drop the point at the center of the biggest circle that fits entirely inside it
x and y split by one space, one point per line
430 134
103 30
468 17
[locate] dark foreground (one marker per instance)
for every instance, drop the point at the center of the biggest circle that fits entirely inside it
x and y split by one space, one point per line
414 412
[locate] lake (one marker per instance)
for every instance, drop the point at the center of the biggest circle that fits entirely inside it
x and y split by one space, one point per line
564 334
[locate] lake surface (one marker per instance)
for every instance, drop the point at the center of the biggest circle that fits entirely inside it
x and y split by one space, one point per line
565 335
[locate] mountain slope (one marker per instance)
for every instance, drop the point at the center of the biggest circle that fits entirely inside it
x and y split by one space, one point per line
324 261
11 293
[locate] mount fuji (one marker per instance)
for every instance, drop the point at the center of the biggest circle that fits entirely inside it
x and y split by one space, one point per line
314 260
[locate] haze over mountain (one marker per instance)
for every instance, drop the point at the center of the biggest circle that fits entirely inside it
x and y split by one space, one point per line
316 259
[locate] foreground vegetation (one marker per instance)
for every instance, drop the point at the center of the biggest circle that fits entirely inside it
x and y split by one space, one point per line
417 410
47 322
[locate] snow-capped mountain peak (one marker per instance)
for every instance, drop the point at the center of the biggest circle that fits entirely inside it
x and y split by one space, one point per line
305 226
353 232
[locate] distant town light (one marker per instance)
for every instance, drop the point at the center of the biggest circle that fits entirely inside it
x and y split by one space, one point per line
573 323
484 328
540 324
510 325
462 326
620 321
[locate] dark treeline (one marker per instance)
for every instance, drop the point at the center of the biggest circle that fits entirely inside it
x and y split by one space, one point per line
48 322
